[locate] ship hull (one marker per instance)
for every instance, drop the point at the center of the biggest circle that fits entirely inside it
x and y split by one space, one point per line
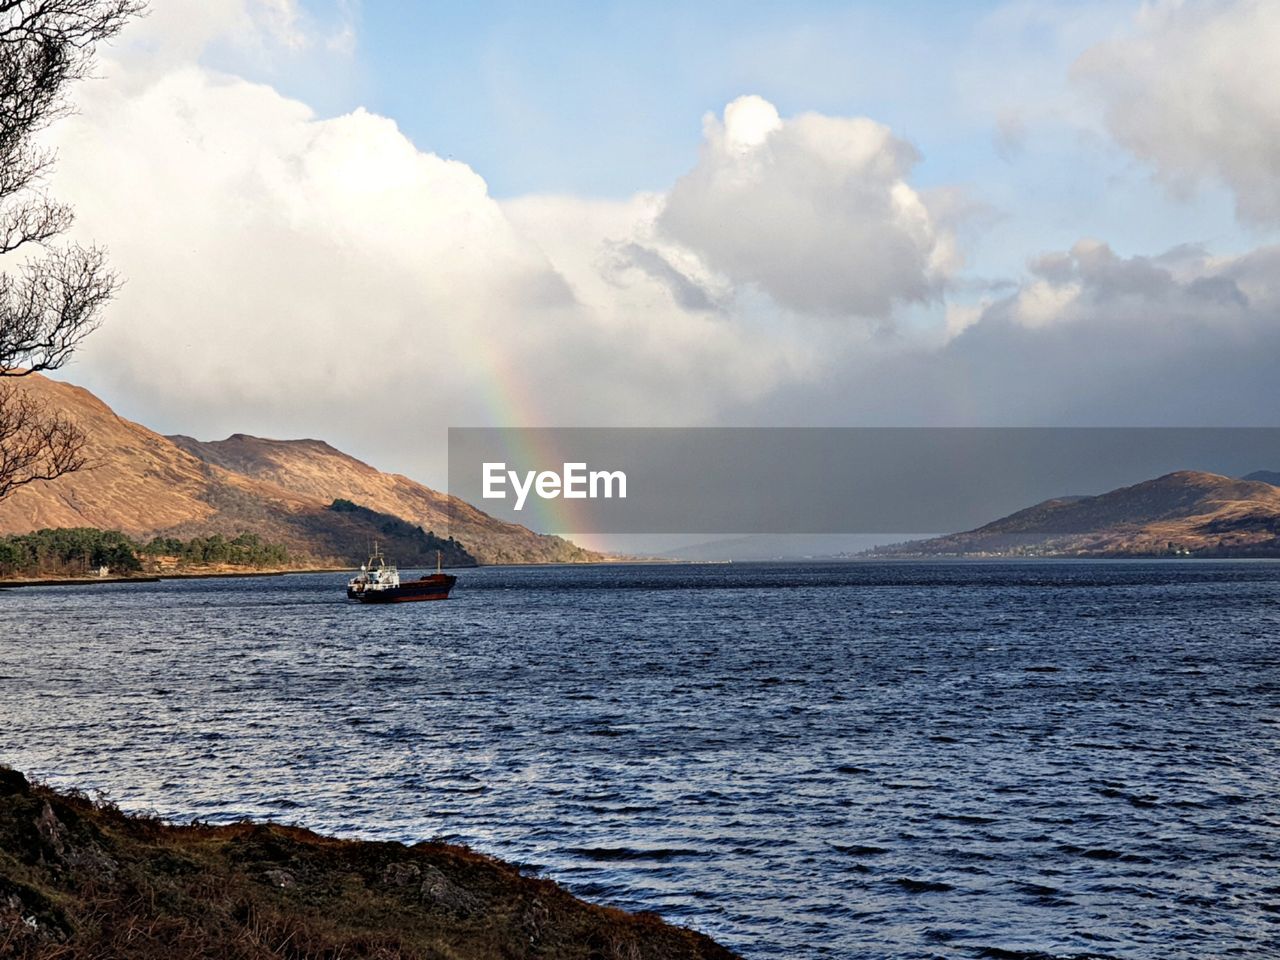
434 587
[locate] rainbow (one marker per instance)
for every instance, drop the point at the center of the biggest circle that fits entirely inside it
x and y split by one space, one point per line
527 445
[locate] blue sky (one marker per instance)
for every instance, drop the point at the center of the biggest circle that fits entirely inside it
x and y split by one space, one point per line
683 214
606 99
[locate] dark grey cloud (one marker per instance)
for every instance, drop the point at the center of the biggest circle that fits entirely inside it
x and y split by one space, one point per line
685 291
1090 338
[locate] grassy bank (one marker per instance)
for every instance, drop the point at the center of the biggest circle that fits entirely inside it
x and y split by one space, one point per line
82 880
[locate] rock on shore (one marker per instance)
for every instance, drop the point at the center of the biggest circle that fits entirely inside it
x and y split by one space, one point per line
80 879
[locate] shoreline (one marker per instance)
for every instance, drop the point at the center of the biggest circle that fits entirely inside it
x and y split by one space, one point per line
219 574
85 880
793 561
157 577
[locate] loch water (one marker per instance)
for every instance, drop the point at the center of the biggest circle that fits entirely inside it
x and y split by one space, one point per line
951 759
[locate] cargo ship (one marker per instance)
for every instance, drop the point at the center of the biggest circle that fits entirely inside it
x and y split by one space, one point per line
379 582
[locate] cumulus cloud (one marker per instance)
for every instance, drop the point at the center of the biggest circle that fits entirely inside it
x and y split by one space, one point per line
1160 297
1088 338
285 269
257 237
679 334
1194 90
686 291
291 274
178 33
815 211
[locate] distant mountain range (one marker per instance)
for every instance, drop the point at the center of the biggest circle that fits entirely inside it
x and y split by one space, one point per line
1183 513
1264 476
148 485
326 506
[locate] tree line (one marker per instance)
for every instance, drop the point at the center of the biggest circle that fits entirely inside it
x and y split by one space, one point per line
73 551
407 542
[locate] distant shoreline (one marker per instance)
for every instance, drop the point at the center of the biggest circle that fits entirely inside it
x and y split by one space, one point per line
227 574
157 577
660 561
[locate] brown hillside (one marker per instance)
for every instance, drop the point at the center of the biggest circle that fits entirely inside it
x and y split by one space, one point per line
1193 511
137 481
146 485
314 468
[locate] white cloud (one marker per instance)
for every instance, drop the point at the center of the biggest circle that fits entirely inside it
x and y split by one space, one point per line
176 33
1194 90
1089 338
291 274
816 211
295 275
677 338
255 38
960 316
1162 297
253 232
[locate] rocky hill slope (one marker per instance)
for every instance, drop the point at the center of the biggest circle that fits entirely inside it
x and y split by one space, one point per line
313 468
147 485
1187 512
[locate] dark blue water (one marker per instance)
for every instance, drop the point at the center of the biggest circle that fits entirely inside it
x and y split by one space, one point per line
859 760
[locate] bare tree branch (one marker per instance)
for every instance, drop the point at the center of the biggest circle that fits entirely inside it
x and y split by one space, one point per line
34 220
48 305
35 443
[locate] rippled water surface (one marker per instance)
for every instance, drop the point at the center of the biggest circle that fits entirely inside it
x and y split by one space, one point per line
859 760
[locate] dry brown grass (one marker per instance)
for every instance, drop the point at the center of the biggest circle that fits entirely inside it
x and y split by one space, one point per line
79 880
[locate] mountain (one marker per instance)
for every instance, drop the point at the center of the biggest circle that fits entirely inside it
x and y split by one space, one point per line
312 468
1264 476
1186 512
775 546
148 485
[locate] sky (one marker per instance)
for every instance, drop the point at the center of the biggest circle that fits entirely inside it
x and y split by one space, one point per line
368 221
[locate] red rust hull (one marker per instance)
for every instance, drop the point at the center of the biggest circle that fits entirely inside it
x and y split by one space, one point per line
434 587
